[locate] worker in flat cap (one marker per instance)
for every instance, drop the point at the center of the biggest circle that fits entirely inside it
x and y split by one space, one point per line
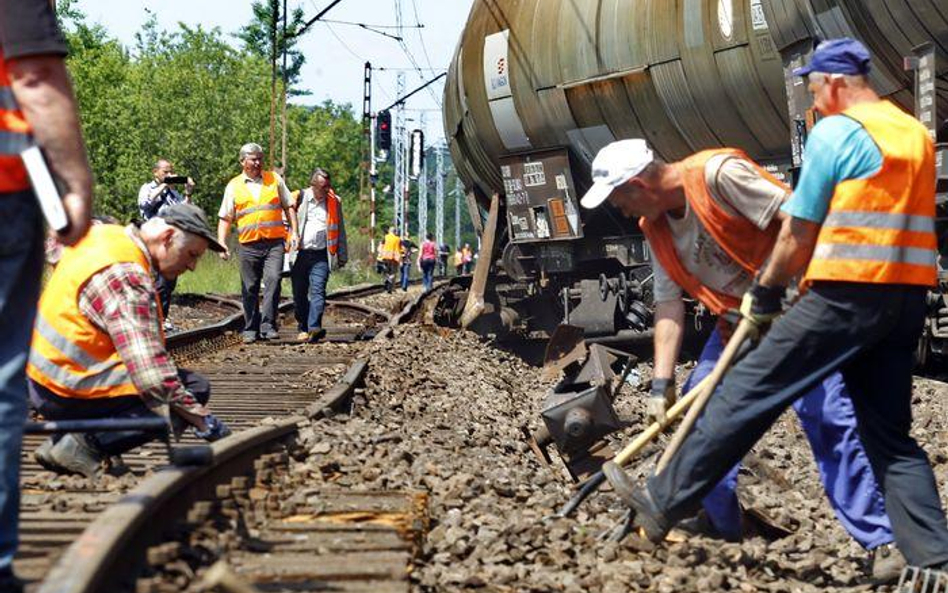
98 348
859 228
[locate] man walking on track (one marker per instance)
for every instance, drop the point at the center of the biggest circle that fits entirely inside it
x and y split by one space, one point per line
38 107
710 221
860 228
257 201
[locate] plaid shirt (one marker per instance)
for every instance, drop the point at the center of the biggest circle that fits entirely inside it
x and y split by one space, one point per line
120 300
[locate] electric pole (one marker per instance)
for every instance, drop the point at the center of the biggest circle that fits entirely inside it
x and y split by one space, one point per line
457 211
439 196
423 187
283 115
274 15
398 183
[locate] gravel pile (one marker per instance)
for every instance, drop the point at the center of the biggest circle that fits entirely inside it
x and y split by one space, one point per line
443 412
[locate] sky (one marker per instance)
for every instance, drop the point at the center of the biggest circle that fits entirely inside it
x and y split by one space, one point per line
335 52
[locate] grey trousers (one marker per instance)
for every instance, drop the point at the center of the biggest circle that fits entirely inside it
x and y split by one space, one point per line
260 260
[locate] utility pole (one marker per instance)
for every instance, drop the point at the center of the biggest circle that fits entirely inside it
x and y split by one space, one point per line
423 187
398 183
439 196
457 211
283 115
274 12
368 133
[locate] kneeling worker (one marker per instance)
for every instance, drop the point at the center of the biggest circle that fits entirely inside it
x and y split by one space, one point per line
711 221
98 349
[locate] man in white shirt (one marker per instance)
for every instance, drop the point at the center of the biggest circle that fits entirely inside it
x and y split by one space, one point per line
322 249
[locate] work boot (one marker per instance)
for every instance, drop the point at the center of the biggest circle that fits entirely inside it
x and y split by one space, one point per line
885 564
316 335
270 334
42 455
647 516
249 337
75 454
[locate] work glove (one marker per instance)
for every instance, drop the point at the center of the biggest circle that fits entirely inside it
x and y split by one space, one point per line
762 304
216 429
660 399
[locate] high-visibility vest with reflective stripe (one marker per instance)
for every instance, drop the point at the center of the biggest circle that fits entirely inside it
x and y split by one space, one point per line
15 136
332 222
69 355
260 218
881 230
741 239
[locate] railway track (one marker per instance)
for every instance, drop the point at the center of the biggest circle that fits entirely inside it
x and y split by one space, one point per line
72 528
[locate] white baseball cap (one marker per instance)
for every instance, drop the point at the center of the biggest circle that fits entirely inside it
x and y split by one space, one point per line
615 164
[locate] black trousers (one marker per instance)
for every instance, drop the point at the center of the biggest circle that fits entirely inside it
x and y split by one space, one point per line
165 287
869 333
54 407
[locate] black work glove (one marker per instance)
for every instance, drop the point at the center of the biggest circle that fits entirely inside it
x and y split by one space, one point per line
762 304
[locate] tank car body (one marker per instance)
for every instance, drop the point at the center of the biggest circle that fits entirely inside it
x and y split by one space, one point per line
542 85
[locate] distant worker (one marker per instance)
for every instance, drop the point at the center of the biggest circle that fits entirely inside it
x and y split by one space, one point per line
407 249
153 198
257 201
98 348
444 252
458 261
427 259
467 258
390 253
710 221
322 249
38 107
860 229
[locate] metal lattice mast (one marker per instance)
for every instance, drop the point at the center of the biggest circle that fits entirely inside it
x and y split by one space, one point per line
398 141
457 212
423 189
439 196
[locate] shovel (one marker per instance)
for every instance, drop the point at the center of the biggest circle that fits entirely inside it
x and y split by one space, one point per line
698 395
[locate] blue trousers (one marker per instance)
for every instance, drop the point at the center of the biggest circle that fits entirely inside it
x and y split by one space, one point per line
309 276
21 264
406 274
868 333
427 273
829 421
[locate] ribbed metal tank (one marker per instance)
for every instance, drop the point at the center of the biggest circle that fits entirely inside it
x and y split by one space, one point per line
684 74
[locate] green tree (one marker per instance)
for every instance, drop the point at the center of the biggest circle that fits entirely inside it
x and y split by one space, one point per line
257 38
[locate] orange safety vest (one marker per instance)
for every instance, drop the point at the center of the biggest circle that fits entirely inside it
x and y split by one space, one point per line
332 218
741 239
69 355
15 136
261 218
881 230
391 248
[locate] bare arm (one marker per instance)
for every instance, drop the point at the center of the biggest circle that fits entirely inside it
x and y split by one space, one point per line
44 93
792 251
223 229
669 330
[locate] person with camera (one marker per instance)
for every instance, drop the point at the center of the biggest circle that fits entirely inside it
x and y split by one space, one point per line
153 198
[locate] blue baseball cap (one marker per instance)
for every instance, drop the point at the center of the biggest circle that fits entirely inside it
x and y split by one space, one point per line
838 56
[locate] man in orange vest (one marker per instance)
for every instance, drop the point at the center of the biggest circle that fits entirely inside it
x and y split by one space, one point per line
37 106
859 227
323 248
390 253
258 201
711 221
98 347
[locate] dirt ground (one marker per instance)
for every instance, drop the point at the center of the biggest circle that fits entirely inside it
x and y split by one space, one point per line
443 412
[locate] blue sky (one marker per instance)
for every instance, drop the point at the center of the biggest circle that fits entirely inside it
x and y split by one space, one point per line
335 52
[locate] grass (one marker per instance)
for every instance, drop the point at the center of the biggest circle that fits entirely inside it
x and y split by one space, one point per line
214 275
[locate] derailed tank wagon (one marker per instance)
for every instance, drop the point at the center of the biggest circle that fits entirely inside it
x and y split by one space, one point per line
537 87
